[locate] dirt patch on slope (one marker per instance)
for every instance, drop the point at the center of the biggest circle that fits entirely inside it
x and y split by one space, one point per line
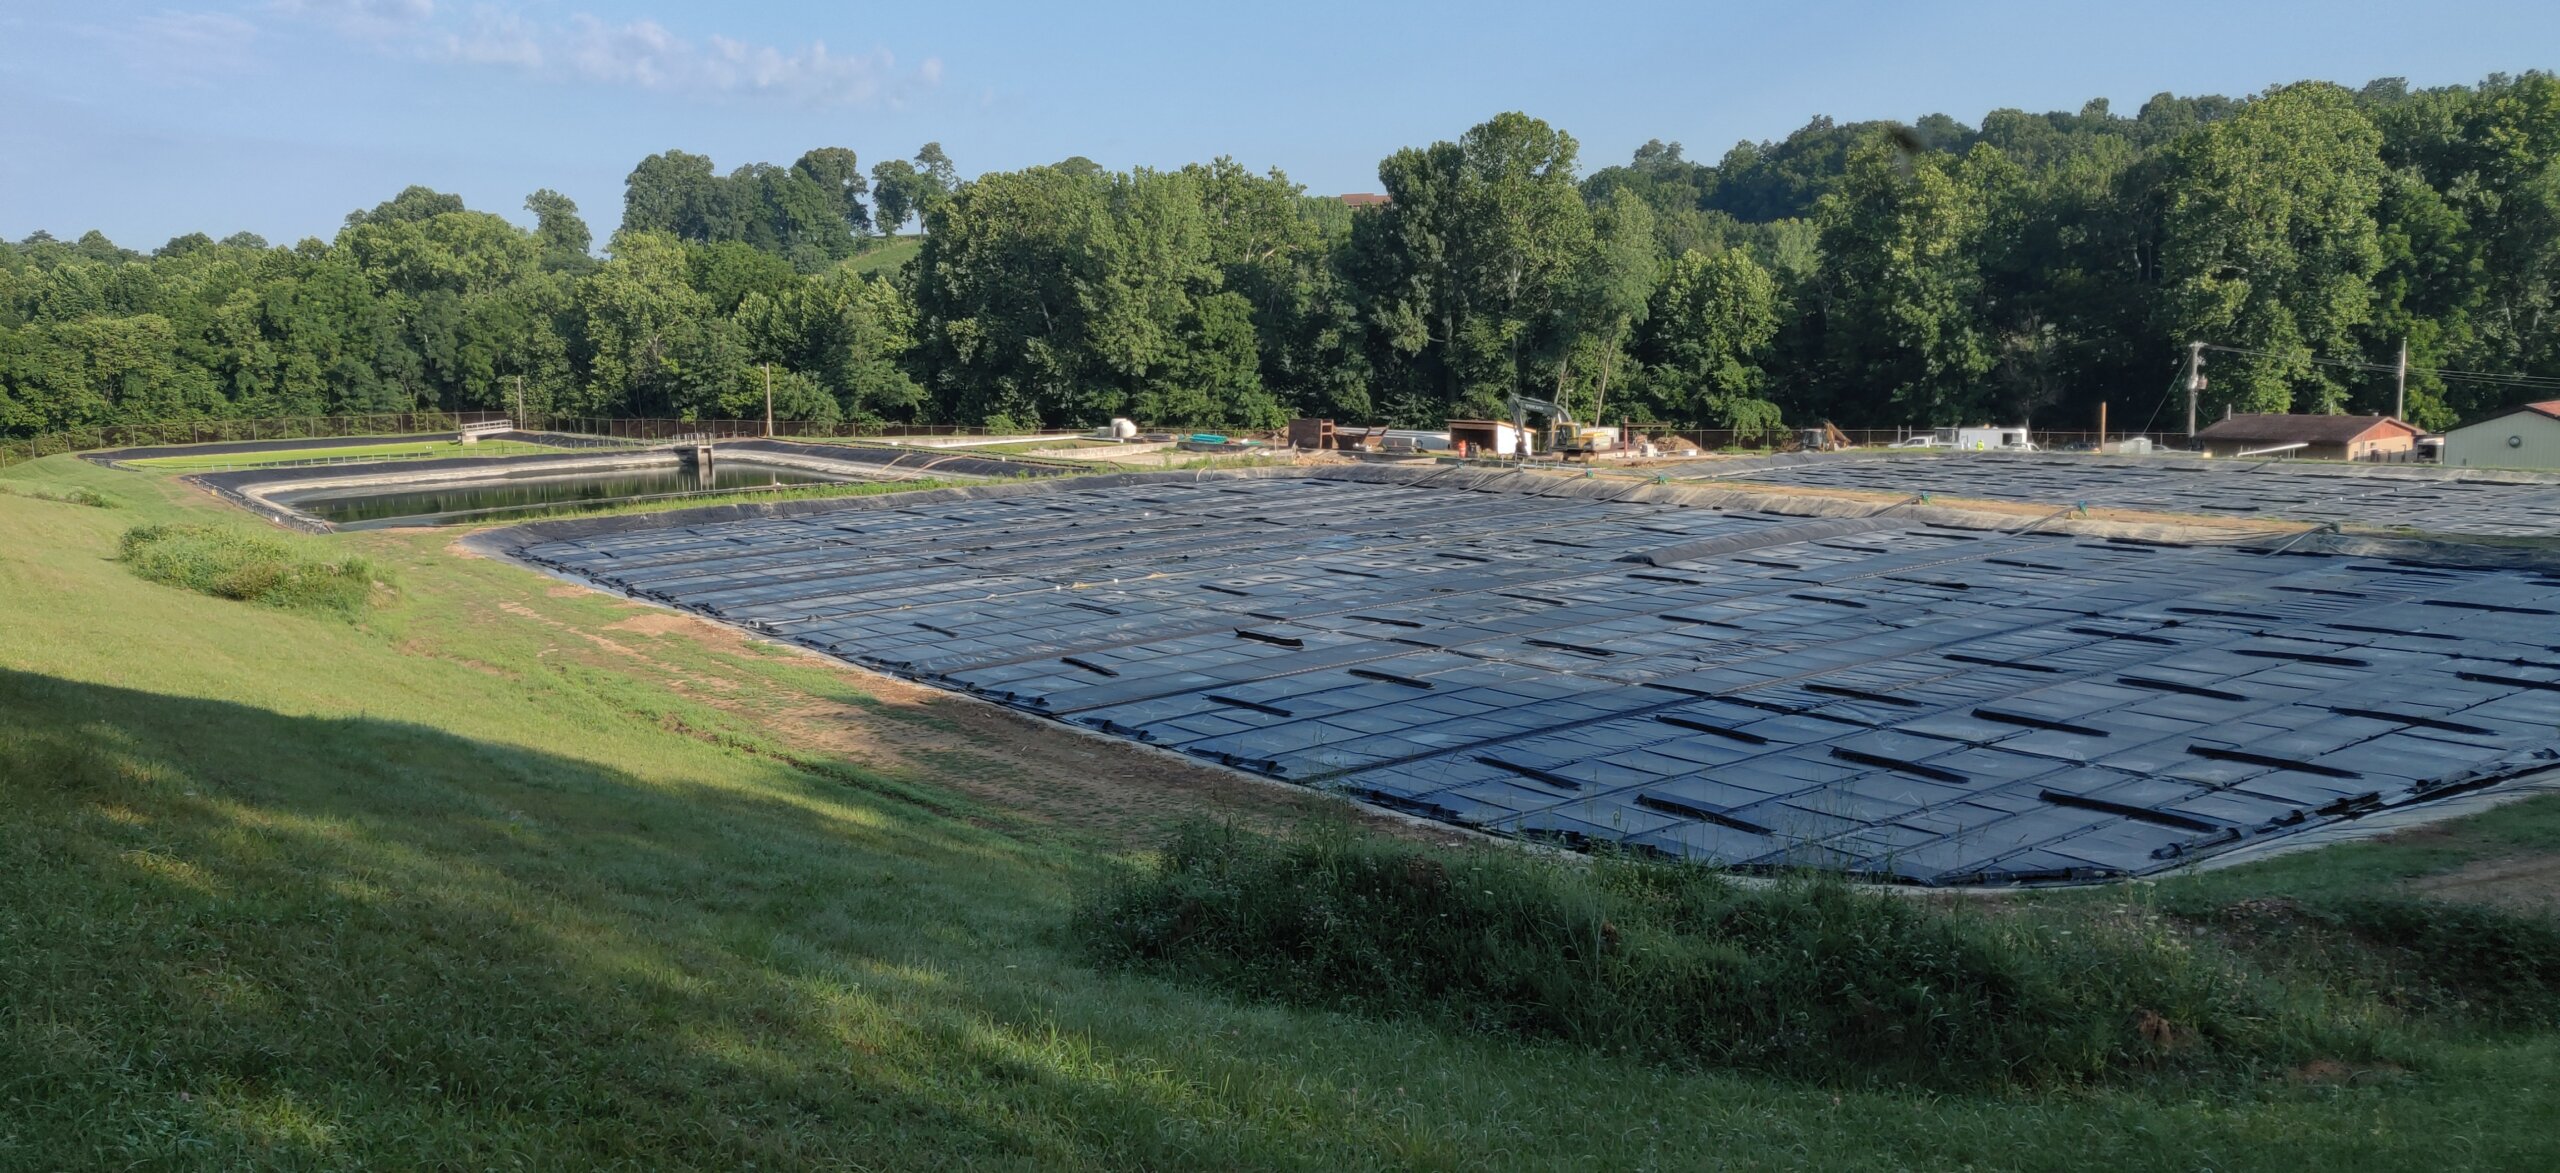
1024 768
2528 883
1043 770
653 623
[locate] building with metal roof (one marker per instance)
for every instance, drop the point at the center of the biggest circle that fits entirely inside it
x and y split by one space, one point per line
2310 437
2524 436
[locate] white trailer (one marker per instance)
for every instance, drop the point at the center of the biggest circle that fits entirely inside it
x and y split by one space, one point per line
1985 439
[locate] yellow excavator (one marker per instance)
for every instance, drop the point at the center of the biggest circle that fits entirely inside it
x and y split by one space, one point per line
1566 436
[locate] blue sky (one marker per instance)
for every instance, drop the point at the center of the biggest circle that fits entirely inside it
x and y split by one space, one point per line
152 119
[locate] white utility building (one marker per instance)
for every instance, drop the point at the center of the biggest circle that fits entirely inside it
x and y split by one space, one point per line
2527 436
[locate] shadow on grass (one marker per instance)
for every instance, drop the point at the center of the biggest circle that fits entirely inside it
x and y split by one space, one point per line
233 937
229 935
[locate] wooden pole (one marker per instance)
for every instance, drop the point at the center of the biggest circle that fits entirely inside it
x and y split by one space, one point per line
768 401
2102 423
2195 383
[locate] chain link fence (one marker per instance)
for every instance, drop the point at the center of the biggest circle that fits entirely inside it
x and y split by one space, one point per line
428 423
1717 440
213 431
643 430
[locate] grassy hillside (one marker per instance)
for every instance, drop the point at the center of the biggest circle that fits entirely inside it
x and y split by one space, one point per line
422 449
886 255
506 873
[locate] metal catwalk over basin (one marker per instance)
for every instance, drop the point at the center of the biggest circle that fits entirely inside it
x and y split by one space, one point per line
1875 696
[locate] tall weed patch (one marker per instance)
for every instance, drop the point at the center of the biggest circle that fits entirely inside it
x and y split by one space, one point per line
2490 965
231 563
1809 978
75 495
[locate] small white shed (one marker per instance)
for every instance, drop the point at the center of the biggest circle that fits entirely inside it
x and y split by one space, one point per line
1493 437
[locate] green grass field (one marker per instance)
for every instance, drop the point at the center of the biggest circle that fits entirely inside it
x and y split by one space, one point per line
884 256
407 450
505 873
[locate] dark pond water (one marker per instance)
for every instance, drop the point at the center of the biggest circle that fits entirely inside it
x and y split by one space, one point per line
476 500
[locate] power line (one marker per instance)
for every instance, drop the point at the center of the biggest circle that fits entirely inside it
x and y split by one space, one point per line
2164 399
2534 382
2486 377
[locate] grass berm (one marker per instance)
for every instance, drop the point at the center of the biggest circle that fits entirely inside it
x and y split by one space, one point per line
1803 976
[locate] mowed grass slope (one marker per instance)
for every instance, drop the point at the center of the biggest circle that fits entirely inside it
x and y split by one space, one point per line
409 450
884 256
457 885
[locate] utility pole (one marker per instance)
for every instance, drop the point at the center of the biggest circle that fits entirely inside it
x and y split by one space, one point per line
2195 383
521 422
768 401
2400 392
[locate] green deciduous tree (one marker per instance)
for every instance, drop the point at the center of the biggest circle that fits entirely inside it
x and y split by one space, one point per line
2272 243
1277 249
807 213
999 290
902 188
941 177
893 192
1470 275
650 343
558 230
1702 342
847 334
671 193
1872 273
1902 239
1616 289
838 173
2469 227
1060 296
414 203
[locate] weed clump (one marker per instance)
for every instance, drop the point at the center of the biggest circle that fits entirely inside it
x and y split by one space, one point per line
2486 965
2463 966
232 563
76 495
1805 977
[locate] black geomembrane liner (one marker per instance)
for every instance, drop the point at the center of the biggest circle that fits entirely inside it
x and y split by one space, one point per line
1921 704
2420 497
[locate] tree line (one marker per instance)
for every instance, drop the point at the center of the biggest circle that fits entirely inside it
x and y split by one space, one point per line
1871 274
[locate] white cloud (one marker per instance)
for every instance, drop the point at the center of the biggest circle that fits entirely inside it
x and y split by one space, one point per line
189 48
639 54
367 19
491 36
642 53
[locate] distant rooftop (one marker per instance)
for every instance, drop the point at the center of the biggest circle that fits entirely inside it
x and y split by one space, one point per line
2547 407
2300 429
1363 199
